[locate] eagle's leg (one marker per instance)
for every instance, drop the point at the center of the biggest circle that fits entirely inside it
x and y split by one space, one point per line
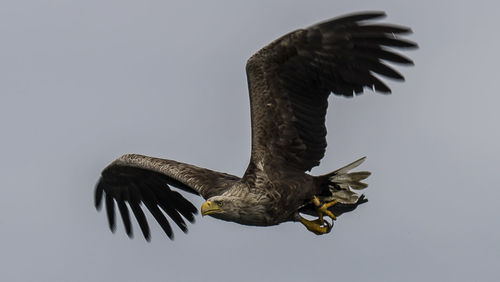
317 226
322 209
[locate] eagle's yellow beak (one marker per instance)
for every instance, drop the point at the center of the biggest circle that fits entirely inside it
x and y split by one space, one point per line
209 207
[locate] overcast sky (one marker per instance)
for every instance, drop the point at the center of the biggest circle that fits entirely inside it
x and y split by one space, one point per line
83 82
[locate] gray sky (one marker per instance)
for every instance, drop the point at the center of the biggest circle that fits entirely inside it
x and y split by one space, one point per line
83 82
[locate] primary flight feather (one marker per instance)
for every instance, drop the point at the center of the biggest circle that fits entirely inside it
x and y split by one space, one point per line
289 82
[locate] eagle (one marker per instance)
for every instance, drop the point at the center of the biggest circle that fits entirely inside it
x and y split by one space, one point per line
289 83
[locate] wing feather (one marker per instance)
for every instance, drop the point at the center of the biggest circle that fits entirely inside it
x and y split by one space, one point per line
125 217
290 80
136 179
110 211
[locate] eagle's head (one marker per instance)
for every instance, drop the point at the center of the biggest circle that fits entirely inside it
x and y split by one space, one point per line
219 206
241 209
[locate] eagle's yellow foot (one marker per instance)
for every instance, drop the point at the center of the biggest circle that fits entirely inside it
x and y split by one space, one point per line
317 226
322 209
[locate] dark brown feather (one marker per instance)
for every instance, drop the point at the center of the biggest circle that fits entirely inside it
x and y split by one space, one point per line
291 78
137 179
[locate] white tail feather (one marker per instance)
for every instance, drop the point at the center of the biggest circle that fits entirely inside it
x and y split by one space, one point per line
342 181
350 166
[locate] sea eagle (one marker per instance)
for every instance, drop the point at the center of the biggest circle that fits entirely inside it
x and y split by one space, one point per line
289 82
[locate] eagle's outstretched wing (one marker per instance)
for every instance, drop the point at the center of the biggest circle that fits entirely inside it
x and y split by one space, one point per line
136 179
290 80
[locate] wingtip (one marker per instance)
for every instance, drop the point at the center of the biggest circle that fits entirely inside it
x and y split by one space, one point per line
182 226
377 13
98 195
368 15
387 91
364 15
351 18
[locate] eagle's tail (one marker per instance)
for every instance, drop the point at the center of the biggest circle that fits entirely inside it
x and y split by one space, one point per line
342 182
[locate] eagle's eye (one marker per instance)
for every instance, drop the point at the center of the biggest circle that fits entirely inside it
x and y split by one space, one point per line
219 203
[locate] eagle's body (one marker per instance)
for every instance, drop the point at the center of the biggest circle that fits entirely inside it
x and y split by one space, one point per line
259 205
289 83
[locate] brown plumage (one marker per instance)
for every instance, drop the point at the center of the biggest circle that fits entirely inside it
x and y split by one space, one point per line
289 83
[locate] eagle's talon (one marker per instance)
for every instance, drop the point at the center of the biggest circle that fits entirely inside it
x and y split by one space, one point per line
322 209
317 226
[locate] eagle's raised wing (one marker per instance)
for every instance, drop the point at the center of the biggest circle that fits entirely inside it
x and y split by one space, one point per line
136 179
290 80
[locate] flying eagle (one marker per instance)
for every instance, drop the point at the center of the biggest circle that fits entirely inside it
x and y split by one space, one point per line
289 82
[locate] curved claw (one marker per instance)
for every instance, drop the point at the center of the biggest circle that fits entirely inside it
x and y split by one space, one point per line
329 226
